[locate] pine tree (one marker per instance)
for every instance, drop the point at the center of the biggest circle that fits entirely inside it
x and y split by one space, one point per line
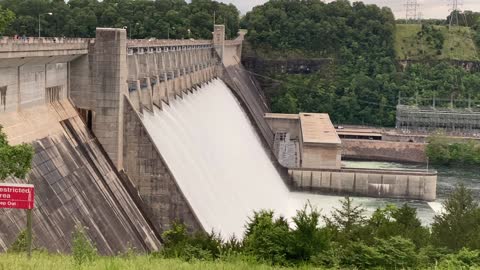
458 226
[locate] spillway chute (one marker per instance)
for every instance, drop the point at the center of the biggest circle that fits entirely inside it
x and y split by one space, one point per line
220 164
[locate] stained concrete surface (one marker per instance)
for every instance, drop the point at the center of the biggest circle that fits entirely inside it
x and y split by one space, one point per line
75 184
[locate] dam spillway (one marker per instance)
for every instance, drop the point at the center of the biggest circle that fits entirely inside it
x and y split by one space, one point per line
219 162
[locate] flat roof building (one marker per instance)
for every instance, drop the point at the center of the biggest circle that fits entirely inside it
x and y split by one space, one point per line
319 146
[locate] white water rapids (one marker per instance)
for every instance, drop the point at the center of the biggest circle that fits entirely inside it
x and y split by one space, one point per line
219 162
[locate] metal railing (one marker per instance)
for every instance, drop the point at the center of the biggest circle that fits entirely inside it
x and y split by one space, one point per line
44 40
166 42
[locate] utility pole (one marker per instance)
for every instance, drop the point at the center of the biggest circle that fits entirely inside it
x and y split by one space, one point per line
40 24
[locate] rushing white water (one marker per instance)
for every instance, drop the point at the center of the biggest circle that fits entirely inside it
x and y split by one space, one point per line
219 162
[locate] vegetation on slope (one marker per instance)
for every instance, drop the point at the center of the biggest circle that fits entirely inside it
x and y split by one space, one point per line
434 42
364 83
335 29
449 151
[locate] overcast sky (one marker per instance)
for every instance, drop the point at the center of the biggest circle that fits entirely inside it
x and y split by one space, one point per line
428 8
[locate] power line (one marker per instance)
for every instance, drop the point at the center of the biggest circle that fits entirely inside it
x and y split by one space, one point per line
287 83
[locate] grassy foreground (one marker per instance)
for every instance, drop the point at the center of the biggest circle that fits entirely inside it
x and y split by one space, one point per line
44 261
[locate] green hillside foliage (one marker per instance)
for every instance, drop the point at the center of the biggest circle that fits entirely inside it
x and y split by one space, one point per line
145 19
364 82
435 42
334 29
448 151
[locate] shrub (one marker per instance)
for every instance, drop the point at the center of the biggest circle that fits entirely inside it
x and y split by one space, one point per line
464 259
201 246
83 250
232 246
430 255
396 253
20 244
308 239
360 255
267 238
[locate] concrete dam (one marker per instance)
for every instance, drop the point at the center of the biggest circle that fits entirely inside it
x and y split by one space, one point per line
132 135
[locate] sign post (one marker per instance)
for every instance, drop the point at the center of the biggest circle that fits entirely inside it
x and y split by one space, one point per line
19 196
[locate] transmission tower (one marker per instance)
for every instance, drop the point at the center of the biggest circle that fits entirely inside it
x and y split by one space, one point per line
455 10
411 7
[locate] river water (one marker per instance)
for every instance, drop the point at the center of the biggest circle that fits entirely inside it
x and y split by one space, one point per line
219 162
448 178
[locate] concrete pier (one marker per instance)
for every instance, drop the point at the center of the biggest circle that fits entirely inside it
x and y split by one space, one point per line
405 184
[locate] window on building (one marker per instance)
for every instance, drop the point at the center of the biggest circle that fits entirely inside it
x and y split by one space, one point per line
53 94
3 97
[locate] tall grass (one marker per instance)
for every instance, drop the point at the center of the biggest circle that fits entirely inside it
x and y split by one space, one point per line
45 261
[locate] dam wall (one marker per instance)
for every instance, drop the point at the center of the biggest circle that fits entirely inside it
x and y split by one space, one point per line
75 182
366 182
32 84
118 81
152 178
384 150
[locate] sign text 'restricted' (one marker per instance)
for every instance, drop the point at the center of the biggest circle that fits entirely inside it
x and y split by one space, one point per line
19 196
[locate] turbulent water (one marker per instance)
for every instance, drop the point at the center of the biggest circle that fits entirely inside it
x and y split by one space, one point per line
221 166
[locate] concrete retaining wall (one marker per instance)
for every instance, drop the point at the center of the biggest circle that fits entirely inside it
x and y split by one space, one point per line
384 151
25 86
364 182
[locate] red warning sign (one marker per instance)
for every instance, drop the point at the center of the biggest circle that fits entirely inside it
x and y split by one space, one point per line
19 196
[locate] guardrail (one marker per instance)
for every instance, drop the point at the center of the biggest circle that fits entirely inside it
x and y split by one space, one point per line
45 40
387 171
166 42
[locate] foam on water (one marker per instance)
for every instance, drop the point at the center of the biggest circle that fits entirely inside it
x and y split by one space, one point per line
219 162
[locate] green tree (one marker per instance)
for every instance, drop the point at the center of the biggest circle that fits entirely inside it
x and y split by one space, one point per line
15 160
458 227
143 19
6 17
347 221
307 237
267 238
